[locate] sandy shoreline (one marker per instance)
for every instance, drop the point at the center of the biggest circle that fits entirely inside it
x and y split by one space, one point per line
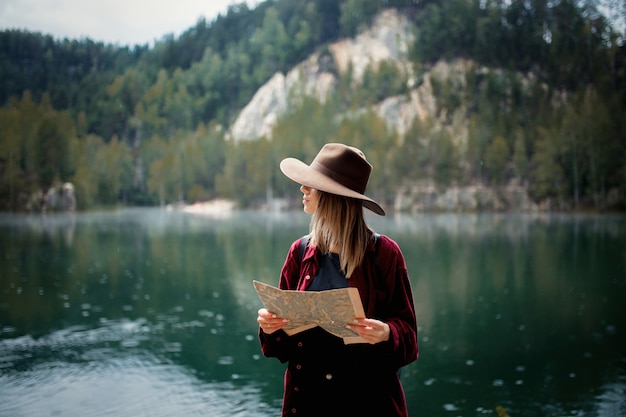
219 207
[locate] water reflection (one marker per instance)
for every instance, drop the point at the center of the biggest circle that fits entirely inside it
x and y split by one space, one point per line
120 368
518 307
152 313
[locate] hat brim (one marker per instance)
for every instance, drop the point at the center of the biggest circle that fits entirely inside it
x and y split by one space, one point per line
303 174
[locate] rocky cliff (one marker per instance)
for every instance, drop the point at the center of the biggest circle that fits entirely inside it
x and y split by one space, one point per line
388 39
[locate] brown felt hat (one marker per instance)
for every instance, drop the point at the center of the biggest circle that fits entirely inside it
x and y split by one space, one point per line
337 169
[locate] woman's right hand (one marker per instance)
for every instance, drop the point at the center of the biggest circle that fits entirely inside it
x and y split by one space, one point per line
270 322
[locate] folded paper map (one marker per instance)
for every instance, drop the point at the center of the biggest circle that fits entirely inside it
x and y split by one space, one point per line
332 310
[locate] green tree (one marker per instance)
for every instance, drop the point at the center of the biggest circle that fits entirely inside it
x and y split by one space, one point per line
573 151
356 14
445 159
408 158
53 151
497 159
204 154
246 175
272 42
478 139
384 81
205 79
101 171
12 181
158 174
178 105
165 175
600 150
36 148
548 177
520 158
123 95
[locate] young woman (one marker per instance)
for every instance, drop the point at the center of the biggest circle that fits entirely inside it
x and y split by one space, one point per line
324 376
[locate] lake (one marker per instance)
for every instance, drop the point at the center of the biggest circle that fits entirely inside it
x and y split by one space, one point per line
153 313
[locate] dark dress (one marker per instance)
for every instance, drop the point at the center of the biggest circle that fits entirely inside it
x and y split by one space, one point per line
326 377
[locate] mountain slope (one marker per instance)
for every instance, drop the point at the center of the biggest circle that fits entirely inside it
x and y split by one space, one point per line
388 39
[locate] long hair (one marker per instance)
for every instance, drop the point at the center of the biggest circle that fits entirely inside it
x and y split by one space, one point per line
338 225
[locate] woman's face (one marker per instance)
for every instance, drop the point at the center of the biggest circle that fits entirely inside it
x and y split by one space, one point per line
309 199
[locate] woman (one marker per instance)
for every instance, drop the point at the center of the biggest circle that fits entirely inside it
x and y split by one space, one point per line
324 376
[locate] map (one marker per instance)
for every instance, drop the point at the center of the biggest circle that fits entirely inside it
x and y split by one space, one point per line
332 310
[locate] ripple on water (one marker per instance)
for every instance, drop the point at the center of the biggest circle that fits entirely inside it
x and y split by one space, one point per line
84 372
128 386
612 400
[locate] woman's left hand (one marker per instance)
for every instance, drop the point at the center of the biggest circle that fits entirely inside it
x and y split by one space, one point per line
373 331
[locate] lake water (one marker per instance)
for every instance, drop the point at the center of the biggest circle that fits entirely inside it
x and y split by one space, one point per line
152 313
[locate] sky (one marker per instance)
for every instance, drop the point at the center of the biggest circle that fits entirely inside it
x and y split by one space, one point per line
120 22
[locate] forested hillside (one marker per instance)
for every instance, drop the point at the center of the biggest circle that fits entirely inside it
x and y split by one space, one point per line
539 104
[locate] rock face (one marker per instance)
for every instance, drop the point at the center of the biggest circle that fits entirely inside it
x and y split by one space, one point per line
270 102
388 39
58 198
424 198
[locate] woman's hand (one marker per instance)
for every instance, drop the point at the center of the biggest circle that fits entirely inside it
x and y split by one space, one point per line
373 331
270 322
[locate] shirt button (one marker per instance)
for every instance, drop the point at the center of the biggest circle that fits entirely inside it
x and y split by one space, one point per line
329 376
299 344
293 411
298 366
307 277
296 389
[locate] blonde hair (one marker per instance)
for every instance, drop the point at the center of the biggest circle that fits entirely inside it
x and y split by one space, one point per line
338 225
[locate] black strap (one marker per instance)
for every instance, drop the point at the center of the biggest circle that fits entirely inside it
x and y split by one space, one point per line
303 242
380 280
374 257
